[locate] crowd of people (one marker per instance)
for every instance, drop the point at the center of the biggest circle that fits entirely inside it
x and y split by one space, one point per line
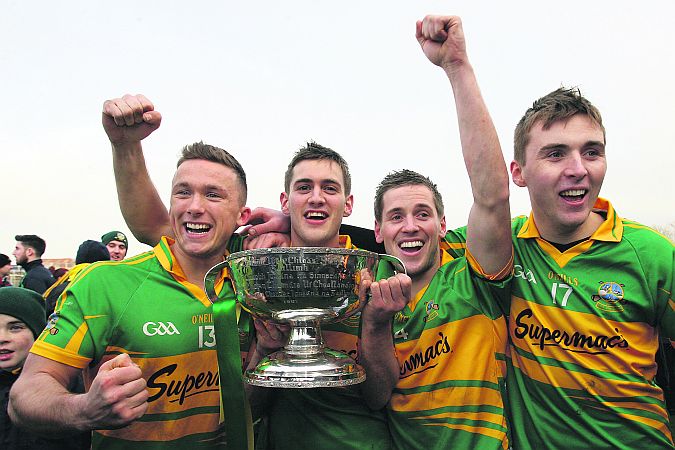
537 332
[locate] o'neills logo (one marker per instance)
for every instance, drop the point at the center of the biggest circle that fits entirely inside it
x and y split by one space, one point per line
575 342
420 361
179 390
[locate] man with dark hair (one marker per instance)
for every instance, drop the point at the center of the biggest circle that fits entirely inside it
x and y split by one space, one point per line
592 294
117 244
437 361
28 252
142 329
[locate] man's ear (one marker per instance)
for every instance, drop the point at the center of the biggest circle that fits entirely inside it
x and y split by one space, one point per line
517 174
244 215
443 227
378 237
349 204
283 198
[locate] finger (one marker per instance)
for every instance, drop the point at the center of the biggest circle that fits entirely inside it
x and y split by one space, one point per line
121 360
147 104
124 375
127 112
152 118
418 32
135 391
111 110
437 29
136 107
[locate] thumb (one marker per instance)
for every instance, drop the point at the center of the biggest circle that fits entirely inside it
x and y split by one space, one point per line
152 118
121 360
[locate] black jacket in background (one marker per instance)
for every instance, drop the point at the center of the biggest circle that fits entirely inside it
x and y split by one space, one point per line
38 278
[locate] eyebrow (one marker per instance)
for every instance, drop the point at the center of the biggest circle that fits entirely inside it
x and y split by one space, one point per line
565 146
324 181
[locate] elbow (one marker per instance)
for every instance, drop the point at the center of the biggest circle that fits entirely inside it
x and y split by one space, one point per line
12 410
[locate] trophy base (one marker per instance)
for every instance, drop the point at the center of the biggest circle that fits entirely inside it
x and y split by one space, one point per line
328 368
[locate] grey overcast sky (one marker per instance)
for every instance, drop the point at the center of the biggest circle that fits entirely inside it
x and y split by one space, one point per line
261 78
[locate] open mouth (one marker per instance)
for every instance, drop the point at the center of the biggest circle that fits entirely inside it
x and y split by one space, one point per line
316 215
411 246
574 195
197 228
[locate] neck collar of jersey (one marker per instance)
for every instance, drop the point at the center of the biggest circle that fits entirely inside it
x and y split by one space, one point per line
169 262
611 230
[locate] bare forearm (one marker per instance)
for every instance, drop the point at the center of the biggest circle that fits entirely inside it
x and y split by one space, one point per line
141 206
51 408
488 234
376 355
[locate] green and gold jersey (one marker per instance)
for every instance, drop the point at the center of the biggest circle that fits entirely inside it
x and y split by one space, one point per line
145 307
450 342
584 328
328 418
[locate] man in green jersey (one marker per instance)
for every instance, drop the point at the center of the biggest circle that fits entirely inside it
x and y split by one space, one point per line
142 329
441 373
590 297
591 294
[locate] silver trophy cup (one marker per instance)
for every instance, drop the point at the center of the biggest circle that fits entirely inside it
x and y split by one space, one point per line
303 287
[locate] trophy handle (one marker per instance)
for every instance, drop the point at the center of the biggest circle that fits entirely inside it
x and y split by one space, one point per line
396 263
211 278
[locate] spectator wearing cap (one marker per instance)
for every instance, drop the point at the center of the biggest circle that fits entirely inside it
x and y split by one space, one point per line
28 253
117 244
22 319
5 267
88 252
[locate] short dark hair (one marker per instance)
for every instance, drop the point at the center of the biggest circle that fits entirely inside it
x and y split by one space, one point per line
401 178
200 150
314 151
35 242
558 105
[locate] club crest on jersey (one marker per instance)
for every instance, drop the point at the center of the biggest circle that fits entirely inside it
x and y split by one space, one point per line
51 323
610 296
431 310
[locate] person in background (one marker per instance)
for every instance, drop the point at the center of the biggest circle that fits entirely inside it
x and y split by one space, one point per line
5 268
28 253
22 319
117 244
88 252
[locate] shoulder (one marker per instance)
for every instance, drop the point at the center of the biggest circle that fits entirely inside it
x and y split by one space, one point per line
137 266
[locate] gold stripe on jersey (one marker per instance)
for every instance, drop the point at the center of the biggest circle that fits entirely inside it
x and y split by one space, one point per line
53 352
491 432
143 430
458 396
75 342
114 350
566 378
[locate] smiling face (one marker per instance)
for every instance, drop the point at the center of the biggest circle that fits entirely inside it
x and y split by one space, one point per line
16 340
411 230
564 170
316 203
205 209
117 250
